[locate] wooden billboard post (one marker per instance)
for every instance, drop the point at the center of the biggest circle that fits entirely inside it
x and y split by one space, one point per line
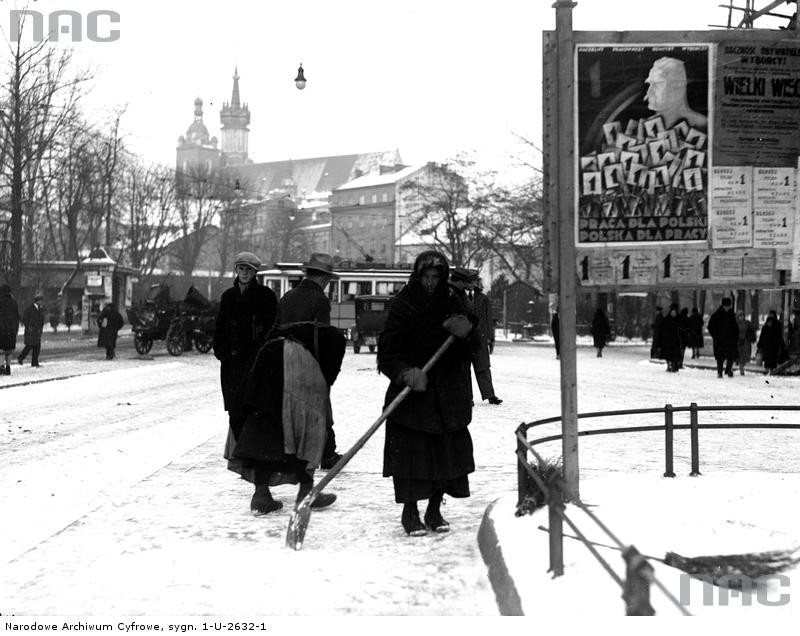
565 229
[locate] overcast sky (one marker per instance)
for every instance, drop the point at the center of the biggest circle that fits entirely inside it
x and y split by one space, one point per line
428 77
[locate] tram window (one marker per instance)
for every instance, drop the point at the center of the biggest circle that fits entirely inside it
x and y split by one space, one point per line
353 288
333 291
275 285
388 288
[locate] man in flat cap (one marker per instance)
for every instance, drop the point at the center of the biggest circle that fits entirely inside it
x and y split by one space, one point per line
33 319
308 302
248 311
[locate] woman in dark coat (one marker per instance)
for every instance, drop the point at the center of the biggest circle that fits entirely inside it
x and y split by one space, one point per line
33 318
9 326
770 341
601 329
428 448
671 339
695 333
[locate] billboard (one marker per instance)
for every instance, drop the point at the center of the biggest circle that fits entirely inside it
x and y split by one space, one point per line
643 150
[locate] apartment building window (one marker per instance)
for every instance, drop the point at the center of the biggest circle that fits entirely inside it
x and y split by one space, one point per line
361 200
374 198
384 197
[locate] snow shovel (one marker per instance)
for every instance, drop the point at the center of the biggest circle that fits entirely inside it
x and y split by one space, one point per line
298 522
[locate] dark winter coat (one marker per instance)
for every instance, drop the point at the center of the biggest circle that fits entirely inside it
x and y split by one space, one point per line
9 321
412 334
695 331
482 308
683 327
770 342
244 319
554 329
725 333
306 302
744 345
670 338
33 319
601 329
655 346
68 315
110 321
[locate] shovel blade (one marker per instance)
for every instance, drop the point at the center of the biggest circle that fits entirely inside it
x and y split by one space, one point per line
298 523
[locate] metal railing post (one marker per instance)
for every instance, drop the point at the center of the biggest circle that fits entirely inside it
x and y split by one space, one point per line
522 474
555 504
694 429
636 591
668 430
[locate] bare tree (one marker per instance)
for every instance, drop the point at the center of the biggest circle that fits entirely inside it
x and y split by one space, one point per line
440 208
41 97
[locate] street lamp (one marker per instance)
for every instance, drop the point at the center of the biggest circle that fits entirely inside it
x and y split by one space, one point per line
300 80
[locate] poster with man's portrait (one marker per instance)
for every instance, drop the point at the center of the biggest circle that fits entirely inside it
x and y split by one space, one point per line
642 136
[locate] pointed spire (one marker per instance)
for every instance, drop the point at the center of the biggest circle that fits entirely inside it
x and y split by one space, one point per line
235 102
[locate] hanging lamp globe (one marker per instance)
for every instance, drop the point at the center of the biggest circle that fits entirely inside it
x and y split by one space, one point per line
300 80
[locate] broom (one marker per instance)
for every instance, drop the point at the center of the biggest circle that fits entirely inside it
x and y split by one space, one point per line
298 522
734 568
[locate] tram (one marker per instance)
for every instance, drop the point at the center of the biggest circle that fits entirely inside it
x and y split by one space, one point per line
367 279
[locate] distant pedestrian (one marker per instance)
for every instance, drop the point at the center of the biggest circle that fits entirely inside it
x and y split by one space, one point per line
111 322
479 304
53 317
428 448
683 334
695 333
770 342
670 349
655 346
33 319
9 326
68 317
725 333
308 302
554 329
744 345
601 330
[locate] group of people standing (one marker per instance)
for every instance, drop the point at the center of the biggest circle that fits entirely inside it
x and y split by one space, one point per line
279 358
732 335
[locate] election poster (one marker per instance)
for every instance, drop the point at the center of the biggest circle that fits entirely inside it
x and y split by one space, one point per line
757 103
642 143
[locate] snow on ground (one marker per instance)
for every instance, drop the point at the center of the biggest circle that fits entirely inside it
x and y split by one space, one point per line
118 499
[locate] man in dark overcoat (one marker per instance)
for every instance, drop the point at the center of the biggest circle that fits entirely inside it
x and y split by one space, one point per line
725 333
308 302
110 321
33 319
248 311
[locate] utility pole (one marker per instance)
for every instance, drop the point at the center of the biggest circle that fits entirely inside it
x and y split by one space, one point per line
567 302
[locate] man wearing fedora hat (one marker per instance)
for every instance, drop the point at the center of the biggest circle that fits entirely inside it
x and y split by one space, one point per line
308 302
465 280
33 319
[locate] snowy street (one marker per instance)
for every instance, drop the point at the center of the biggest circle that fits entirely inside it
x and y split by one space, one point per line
116 499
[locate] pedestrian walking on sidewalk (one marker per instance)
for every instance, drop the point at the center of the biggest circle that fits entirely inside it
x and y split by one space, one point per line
770 342
695 333
725 333
601 330
655 346
309 303
9 326
33 319
69 314
248 312
671 339
744 345
428 447
110 321
465 280
554 329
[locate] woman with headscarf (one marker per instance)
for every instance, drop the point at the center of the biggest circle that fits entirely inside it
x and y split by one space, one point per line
601 330
428 447
747 336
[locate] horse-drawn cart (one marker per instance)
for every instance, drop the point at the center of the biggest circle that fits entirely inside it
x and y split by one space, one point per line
183 324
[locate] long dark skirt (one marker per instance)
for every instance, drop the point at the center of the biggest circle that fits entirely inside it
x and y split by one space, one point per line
422 464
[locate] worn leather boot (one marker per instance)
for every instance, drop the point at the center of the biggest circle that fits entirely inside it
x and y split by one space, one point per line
433 515
411 521
262 502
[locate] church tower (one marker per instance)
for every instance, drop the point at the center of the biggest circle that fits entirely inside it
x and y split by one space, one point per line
197 154
235 118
